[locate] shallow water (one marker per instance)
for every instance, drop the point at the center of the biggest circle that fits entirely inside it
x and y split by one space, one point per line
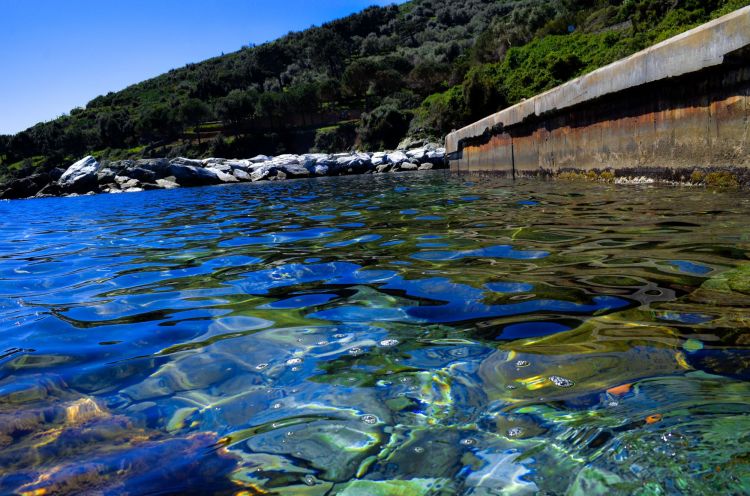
411 334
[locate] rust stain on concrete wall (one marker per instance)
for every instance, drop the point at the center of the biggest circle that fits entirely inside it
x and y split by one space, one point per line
692 109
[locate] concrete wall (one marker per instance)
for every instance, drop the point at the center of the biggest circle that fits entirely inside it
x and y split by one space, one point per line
682 103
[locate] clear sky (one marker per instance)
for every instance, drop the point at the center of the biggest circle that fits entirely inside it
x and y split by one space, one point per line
59 54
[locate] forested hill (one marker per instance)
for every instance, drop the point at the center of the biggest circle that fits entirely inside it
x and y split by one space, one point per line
367 81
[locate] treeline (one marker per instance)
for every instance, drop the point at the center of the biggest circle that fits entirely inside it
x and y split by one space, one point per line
419 69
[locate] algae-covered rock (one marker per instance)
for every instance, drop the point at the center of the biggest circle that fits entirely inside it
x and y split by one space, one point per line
604 352
334 448
737 280
413 487
592 481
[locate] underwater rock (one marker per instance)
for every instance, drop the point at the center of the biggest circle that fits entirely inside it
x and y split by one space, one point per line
182 464
412 487
334 448
571 364
737 280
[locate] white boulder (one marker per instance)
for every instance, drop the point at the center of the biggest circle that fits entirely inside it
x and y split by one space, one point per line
80 174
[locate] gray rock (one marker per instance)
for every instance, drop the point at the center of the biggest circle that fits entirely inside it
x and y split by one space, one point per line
241 175
396 157
379 158
105 175
417 153
121 179
128 183
358 163
426 166
223 176
222 167
259 159
286 159
143 175
382 168
187 162
166 184
190 175
132 190
408 166
25 187
410 143
214 161
295 170
159 166
263 172
81 176
438 154
321 170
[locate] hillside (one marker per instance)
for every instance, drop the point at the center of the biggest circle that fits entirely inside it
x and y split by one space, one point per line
367 81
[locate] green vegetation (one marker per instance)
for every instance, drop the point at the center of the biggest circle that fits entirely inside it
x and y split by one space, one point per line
420 69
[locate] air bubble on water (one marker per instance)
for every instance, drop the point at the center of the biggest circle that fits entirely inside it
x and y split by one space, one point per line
369 419
469 441
522 363
294 361
561 381
322 343
386 343
309 480
296 369
339 336
276 406
515 432
261 366
418 449
510 386
355 351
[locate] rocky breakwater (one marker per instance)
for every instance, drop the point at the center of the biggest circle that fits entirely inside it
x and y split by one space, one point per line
90 176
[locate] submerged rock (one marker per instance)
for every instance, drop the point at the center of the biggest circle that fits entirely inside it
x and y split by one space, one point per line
413 487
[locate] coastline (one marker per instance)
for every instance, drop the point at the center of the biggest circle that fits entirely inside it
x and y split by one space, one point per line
89 176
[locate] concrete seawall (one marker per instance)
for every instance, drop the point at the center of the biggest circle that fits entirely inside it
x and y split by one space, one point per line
683 103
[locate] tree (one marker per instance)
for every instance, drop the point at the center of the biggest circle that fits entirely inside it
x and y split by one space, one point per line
193 112
157 123
272 59
272 107
428 77
328 50
384 127
237 109
484 92
356 79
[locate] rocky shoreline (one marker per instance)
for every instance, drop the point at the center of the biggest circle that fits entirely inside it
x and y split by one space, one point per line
89 176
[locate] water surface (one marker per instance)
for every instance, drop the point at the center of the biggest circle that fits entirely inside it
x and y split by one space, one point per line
406 334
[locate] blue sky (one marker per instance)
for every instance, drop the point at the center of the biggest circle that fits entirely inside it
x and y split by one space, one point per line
59 54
